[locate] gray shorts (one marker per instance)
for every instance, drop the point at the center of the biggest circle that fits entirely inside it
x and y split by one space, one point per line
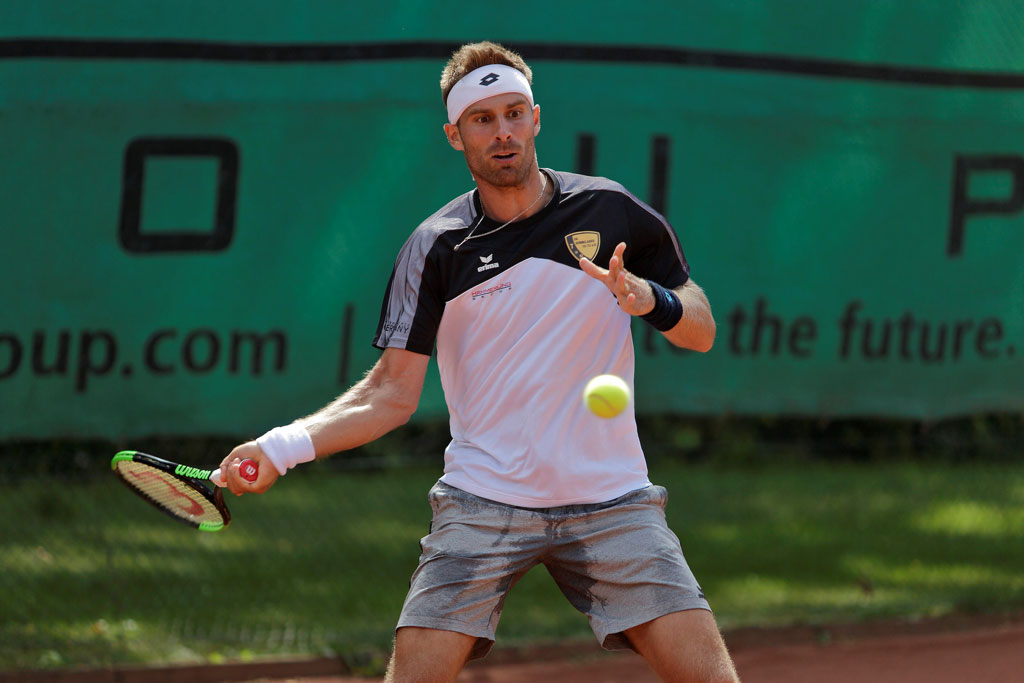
616 562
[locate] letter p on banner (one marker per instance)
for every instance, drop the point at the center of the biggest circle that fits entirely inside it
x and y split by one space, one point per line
964 206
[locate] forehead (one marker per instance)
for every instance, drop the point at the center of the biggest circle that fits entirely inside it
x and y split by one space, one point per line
497 103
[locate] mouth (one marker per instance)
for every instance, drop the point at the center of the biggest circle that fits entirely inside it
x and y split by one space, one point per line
504 156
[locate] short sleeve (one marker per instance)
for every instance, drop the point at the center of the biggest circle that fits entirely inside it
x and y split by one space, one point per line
413 302
653 250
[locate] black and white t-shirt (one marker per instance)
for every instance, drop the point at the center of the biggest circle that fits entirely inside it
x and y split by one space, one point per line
520 329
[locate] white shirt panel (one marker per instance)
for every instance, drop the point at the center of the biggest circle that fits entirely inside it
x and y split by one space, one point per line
514 355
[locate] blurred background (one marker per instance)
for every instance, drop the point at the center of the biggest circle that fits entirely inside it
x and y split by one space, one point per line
202 203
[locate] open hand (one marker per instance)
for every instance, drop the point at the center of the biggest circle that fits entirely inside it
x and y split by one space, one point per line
633 293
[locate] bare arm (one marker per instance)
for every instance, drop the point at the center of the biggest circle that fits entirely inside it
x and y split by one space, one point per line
384 399
695 330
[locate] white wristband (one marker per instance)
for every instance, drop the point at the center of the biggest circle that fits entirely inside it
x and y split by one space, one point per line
287 447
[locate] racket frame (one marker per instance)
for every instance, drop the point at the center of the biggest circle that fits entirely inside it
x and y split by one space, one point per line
192 477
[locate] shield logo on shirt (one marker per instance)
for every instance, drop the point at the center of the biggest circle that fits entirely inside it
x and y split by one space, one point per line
583 244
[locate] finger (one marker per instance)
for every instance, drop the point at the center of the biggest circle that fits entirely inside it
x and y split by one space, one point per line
234 479
620 281
593 270
617 255
613 271
622 287
617 263
224 465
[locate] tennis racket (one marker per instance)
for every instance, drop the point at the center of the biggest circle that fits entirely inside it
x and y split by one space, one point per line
177 490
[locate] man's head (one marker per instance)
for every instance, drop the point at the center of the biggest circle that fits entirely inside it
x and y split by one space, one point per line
492 117
472 56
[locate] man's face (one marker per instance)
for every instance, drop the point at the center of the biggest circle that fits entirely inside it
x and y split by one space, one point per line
497 136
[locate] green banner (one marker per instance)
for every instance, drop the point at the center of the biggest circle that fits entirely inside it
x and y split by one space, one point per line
203 201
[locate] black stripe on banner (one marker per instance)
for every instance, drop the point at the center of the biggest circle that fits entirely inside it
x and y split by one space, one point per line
185 50
280 53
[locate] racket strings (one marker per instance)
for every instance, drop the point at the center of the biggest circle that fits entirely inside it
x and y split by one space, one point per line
169 493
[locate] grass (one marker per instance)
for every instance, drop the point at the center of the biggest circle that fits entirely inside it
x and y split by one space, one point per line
89 576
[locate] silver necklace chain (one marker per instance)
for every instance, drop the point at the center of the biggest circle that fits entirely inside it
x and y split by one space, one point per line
471 236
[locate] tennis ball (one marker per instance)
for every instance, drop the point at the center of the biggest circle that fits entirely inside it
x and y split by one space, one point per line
606 395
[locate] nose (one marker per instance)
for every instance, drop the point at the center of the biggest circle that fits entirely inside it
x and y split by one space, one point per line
503 130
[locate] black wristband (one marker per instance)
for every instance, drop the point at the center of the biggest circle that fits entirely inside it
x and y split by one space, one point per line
667 311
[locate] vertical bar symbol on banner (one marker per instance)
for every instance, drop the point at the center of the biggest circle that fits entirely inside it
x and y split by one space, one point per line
658 198
585 154
174 188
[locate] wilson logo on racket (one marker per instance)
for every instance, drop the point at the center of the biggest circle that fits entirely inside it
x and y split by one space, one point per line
192 472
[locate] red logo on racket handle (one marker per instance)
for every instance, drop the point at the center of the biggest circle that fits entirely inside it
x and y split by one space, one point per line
248 469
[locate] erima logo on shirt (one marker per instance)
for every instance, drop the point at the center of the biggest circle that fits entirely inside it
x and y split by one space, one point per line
487 265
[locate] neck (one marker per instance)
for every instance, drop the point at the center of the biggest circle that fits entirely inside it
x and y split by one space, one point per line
515 203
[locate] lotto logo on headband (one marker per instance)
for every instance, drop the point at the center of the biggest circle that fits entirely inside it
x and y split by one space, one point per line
489 78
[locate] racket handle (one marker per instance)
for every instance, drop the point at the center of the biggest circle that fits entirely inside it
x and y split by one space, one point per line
247 468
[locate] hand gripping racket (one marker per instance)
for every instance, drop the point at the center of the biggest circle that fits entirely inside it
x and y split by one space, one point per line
177 490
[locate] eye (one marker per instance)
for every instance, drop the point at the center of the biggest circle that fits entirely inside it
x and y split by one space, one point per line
515 113
482 118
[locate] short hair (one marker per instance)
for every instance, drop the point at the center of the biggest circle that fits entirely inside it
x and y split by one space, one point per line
475 55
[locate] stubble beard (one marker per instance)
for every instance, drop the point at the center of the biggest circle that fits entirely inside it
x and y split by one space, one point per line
484 169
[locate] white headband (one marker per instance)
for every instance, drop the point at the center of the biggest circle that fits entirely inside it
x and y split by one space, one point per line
487 81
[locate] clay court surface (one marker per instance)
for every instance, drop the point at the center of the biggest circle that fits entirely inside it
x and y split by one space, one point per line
948 653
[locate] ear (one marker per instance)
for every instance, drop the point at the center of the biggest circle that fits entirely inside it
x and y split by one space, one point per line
536 120
454 136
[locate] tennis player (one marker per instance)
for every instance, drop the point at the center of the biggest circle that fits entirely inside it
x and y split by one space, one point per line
510 282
